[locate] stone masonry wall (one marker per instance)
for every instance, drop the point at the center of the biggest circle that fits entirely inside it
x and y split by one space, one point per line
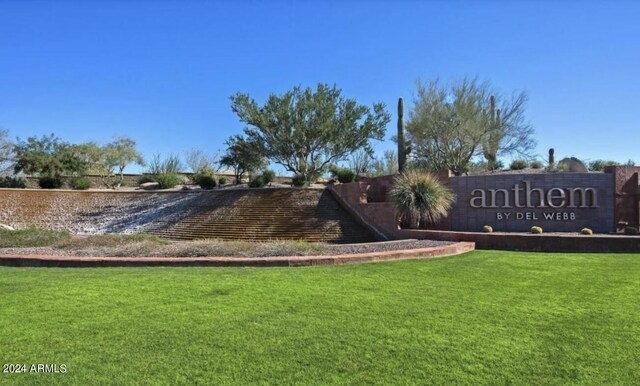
91 212
627 196
369 200
464 217
247 214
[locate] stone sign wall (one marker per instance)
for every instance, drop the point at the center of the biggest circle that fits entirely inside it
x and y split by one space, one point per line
561 202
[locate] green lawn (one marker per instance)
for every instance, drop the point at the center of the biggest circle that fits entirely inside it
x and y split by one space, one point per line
483 317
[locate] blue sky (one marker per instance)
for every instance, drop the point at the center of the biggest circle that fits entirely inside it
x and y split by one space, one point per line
162 72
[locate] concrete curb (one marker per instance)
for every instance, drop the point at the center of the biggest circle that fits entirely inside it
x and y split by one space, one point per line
280 261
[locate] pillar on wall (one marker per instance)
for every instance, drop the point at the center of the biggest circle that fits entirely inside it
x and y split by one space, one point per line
627 195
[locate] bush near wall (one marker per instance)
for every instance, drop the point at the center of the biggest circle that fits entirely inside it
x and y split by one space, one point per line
80 183
519 164
13 182
345 175
298 180
256 182
268 176
167 181
205 181
48 182
536 165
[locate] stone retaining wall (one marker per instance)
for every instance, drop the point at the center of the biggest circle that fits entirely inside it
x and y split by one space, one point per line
228 214
90 212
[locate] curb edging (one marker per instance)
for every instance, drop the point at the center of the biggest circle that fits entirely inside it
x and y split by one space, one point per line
276 261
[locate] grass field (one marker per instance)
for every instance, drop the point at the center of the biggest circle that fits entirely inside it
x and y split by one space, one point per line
480 318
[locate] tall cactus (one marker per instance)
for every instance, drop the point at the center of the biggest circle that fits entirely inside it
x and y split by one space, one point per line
493 135
402 146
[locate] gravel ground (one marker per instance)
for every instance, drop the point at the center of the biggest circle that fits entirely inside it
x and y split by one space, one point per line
218 249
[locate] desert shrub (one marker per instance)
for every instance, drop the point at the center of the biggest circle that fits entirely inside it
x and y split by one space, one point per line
487 229
630 230
109 240
536 230
205 171
13 182
586 231
420 197
599 164
49 182
205 181
268 176
345 175
145 178
519 164
167 180
170 165
222 181
536 165
256 182
298 180
80 183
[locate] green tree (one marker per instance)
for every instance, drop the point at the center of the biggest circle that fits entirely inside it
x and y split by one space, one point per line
242 156
6 153
48 156
110 160
449 125
306 130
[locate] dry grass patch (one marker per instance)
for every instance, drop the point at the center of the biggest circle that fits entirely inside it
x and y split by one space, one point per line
113 245
151 247
136 245
201 248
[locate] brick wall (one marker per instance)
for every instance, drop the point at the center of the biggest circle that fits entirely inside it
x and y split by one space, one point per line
369 200
626 195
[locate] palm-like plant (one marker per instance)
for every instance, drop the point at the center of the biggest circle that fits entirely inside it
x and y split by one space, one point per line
420 197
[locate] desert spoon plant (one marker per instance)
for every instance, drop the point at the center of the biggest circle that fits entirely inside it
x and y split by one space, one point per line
420 197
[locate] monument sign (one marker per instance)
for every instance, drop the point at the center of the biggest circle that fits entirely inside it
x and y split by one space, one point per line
562 202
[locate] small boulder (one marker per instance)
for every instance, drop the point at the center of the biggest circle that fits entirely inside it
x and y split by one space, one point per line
6 227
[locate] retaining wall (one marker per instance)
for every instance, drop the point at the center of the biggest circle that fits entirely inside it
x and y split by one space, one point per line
249 214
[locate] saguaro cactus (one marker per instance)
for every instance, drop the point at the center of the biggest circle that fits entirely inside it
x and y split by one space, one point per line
402 146
492 137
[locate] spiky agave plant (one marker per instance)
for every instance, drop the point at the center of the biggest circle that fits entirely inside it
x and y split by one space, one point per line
420 197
